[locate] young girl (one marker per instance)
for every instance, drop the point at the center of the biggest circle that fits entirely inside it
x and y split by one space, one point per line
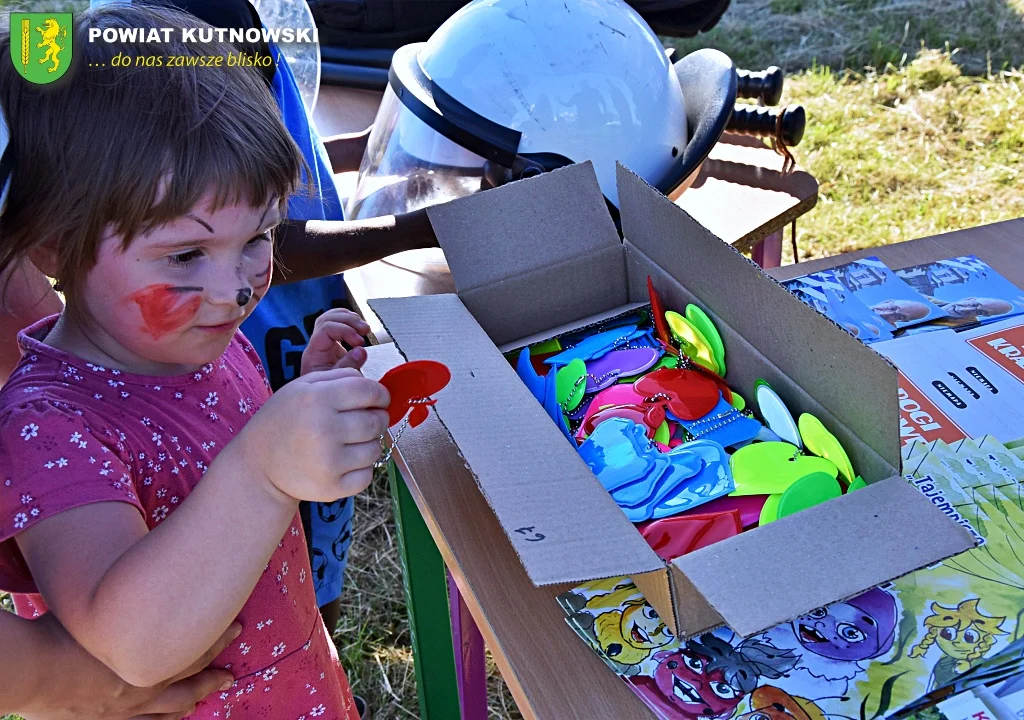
148 481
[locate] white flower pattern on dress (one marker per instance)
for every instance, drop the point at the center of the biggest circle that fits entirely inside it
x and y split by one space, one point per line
136 462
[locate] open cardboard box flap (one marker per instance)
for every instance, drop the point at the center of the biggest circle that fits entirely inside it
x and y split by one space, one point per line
544 253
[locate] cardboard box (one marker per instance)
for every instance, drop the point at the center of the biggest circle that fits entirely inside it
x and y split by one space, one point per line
536 258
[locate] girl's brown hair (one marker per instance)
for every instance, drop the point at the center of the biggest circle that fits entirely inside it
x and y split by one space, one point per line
135 145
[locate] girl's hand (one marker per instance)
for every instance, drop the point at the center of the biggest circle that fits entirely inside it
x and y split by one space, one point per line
317 438
325 350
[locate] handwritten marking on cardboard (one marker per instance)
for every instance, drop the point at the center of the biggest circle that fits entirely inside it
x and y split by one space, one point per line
531 530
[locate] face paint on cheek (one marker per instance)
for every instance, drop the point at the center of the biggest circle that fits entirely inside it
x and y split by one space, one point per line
163 309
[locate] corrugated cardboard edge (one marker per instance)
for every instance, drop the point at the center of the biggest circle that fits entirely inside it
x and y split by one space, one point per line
598 541
756 580
812 348
499 235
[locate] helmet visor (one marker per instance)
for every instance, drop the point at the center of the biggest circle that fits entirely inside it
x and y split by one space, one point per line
409 165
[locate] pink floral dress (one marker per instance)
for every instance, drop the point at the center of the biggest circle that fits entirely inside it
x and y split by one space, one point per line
73 433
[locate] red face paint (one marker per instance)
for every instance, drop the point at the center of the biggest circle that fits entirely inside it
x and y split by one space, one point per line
163 310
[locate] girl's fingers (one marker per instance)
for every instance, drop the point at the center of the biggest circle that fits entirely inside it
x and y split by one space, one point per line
361 426
354 358
359 456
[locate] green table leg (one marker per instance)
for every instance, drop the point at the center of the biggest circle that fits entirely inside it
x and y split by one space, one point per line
426 597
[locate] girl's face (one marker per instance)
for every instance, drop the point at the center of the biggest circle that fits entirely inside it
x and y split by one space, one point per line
172 301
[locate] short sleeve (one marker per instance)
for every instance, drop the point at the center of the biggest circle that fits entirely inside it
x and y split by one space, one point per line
51 460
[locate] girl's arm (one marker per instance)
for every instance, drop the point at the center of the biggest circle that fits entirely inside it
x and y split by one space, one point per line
148 603
47 674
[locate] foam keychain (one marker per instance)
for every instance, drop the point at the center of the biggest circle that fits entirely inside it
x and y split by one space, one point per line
700 320
526 372
770 510
569 384
691 341
552 406
676 536
748 506
605 370
807 492
615 453
818 440
688 394
650 417
658 315
770 468
411 386
675 468
724 425
593 346
775 413
714 480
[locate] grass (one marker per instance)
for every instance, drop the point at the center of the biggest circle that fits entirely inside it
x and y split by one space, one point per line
914 109
915 126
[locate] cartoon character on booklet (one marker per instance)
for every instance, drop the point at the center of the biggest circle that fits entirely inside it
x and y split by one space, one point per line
963 633
708 677
620 623
771 703
834 640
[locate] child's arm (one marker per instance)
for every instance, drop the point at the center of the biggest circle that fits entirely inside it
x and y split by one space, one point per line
149 603
317 248
47 674
25 297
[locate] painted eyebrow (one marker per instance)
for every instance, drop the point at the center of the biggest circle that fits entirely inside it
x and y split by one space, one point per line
205 224
189 243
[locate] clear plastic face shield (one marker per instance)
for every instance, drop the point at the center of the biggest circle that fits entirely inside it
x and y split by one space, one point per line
408 165
427 148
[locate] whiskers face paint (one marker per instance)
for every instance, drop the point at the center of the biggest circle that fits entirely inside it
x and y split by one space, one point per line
166 308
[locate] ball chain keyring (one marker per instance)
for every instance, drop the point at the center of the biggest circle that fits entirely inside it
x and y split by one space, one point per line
411 386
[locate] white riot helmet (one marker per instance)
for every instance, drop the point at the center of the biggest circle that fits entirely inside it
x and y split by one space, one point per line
506 89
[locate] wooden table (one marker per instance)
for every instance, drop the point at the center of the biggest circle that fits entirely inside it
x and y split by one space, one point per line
445 523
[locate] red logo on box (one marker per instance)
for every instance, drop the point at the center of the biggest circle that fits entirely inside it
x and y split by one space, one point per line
921 420
1005 348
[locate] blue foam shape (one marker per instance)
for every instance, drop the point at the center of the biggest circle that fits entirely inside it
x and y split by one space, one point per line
739 429
714 481
614 453
596 345
534 382
552 407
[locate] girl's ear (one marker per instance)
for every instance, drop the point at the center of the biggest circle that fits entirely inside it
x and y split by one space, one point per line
44 257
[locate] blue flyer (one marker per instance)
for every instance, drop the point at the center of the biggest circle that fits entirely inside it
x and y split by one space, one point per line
967 289
886 294
823 292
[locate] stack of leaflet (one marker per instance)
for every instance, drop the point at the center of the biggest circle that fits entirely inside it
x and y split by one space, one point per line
954 329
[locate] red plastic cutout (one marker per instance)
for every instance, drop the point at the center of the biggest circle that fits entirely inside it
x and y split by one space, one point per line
688 394
411 386
658 311
676 536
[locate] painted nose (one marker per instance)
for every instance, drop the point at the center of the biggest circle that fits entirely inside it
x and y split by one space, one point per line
243 296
